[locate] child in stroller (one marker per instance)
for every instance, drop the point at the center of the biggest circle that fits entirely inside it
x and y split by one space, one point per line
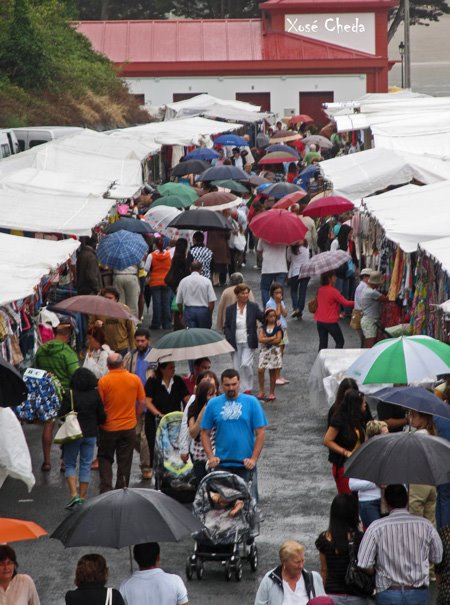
230 519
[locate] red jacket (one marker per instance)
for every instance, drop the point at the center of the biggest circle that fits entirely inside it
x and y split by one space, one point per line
329 301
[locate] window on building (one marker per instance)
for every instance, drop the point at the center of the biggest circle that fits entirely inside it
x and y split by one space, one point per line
140 99
311 104
255 98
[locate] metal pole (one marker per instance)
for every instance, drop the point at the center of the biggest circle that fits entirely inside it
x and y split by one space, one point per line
406 17
403 71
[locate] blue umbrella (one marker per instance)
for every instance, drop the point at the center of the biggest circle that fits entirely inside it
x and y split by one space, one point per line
307 174
231 139
202 154
279 190
263 186
121 249
129 224
283 148
223 173
414 398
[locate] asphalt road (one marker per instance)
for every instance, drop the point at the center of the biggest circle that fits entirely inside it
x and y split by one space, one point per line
295 485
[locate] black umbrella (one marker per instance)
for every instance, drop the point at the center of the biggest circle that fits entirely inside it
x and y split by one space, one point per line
222 173
13 390
190 167
133 225
414 398
125 517
200 219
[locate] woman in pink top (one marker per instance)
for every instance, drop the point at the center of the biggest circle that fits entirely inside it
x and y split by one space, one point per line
329 300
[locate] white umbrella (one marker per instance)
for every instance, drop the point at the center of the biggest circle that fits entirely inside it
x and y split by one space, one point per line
159 217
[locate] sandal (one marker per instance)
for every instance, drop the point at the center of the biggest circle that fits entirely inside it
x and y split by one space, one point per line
46 467
261 396
271 398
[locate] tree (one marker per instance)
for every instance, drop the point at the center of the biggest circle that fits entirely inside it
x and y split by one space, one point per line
421 13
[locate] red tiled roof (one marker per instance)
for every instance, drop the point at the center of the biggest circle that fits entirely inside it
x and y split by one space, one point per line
324 5
199 42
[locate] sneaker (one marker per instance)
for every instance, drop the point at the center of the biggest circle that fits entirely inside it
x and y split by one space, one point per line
72 502
295 313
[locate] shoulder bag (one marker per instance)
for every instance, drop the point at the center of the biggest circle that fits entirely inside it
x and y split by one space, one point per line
313 304
356 578
109 596
70 428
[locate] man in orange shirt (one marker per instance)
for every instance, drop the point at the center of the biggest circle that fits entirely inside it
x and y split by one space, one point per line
123 397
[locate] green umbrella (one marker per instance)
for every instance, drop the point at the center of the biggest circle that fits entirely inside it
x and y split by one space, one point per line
178 189
231 185
174 201
403 360
191 343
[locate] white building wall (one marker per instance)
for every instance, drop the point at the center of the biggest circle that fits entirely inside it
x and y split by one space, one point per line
284 90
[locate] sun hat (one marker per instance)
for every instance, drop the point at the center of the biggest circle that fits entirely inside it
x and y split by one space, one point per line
376 278
366 272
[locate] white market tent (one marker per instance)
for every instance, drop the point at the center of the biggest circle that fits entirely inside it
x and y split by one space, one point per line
188 131
198 104
25 261
226 112
439 250
411 215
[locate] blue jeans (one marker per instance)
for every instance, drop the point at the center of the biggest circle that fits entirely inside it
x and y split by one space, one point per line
302 286
266 281
443 505
197 317
419 596
369 511
161 296
85 449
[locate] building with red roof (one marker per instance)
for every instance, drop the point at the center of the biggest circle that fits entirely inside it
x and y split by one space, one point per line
300 54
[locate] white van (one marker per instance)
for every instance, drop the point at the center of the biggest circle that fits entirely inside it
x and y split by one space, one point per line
8 143
29 137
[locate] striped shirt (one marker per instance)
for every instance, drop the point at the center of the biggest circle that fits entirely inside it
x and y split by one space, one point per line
400 547
204 255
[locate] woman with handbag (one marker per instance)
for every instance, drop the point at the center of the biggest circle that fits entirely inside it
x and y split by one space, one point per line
337 546
327 314
91 576
84 399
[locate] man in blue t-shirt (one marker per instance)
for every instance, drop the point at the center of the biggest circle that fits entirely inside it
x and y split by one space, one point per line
240 424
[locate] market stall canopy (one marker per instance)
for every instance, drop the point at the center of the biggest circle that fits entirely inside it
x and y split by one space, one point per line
439 250
185 132
25 261
38 212
410 215
201 103
235 114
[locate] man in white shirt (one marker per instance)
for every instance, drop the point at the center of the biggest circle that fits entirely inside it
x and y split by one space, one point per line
151 585
196 298
357 310
274 267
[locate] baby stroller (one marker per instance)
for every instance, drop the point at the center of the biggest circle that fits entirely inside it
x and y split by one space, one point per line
225 538
172 476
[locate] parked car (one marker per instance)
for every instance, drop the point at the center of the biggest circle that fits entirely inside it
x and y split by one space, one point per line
29 137
8 143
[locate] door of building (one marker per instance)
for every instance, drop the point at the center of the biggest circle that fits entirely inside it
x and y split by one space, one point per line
311 104
255 98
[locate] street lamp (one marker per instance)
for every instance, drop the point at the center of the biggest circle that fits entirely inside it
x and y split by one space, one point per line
401 50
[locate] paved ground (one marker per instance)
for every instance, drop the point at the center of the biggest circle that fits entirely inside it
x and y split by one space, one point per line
294 481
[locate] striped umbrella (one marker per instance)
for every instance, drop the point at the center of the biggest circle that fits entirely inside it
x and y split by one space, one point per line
121 249
324 262
191 343
402 360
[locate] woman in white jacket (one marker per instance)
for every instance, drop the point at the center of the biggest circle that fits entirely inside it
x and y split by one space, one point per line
97 352
289 582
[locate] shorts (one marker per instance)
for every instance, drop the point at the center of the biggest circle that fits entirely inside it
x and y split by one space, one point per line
270 358
285 339
369 326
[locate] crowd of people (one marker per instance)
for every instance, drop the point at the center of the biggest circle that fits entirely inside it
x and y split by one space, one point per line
120 397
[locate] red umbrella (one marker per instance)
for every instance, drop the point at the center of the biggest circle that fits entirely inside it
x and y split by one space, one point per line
328 206
278 226
278 157
288 200
303 118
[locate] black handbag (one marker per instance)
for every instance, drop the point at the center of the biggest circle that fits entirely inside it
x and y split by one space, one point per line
356 578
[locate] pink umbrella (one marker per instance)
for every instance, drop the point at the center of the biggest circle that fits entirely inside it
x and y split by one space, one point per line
278 226
328 206
290 199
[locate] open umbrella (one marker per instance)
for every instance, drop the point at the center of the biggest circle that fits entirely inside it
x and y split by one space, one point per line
401 458
277 157
231 185
288 200
218 200
174 201
402 360
301 118
13 390
133 225
324 262
317 139
158 218
278 226
284 148
278 190
203 153
230 139
190 167
306 175
191 343
285 136
256 180
16 530
220 173
94 305
184 191
121 249
328 206
200 219
124 517
414 398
